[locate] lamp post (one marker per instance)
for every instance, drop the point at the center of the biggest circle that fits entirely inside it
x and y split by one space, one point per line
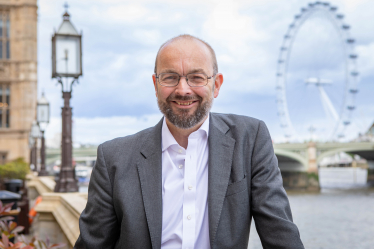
34 135
42 114
31 146
67 63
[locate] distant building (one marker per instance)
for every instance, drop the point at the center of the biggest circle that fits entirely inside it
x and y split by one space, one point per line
367 136
370 132
18 76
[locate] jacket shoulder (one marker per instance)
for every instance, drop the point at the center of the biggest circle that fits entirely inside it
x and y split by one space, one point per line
238 121
129 142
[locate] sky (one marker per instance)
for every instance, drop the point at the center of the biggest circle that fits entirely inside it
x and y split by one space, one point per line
115 96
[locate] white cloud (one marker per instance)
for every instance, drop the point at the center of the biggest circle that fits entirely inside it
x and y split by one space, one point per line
231 29
129 13
354 4
100 129
120 62
366 61
147 37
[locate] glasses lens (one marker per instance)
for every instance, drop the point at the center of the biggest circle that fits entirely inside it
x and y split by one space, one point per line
197 79
169 79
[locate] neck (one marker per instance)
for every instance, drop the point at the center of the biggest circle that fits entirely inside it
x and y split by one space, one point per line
181 135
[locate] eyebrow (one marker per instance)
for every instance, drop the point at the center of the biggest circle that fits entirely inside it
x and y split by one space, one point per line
196 70
168 71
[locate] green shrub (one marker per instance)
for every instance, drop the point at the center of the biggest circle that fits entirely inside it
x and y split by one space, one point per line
17 169
313 175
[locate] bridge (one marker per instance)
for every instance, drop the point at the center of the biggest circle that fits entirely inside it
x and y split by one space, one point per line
298 162
302 157
89 153
305 157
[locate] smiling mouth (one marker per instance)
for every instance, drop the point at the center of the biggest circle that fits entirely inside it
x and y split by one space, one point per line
185 103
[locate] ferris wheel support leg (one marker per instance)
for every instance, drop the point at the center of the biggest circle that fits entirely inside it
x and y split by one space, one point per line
328 103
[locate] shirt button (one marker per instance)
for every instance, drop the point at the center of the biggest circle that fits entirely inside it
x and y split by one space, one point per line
180 151
190 187
180 166
188 217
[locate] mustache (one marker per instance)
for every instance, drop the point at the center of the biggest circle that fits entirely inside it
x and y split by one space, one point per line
183 98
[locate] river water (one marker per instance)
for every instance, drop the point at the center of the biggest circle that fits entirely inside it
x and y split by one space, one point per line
341 216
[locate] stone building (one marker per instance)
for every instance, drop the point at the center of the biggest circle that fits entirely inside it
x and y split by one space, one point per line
18 76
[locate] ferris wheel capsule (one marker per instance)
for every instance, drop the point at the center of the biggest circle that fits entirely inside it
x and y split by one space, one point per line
354 73
351 107
350 41
333 8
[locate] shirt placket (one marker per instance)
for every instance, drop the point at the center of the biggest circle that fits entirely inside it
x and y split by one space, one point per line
189 198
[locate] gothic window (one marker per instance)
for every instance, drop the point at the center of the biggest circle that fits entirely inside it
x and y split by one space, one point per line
4 106
4 34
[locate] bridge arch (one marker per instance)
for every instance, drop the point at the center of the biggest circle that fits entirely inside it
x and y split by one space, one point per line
366 152
55 154
291 161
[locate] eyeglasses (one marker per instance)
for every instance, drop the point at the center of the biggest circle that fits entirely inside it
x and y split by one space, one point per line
193 79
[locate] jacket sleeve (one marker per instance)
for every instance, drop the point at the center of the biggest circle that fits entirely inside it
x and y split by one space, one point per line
269 203
98 223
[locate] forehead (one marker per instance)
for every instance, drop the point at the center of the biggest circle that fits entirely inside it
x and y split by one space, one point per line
184 55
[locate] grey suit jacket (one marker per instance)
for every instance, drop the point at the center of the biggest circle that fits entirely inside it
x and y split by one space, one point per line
124 207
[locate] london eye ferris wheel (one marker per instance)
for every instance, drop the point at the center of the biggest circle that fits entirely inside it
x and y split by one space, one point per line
317 75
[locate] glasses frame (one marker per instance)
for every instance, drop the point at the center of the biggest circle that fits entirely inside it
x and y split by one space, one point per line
180 76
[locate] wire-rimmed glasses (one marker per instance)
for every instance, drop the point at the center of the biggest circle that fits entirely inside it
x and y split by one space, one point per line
193 79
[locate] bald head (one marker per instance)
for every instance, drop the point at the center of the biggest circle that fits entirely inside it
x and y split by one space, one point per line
185 39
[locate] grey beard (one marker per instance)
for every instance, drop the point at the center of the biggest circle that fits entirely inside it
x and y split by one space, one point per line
183 120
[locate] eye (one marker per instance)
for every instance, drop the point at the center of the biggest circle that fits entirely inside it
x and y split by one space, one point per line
197 77
169 77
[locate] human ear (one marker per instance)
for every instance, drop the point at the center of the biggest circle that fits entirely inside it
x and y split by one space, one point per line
155 83
217 84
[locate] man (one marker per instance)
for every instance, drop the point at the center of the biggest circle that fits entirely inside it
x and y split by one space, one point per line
196 179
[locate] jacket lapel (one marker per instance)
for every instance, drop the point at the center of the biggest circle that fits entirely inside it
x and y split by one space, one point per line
150 175
221 148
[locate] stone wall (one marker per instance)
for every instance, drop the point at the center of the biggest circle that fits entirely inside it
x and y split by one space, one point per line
304 181
20 73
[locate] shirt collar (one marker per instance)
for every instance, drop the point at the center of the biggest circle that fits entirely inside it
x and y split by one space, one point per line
169 140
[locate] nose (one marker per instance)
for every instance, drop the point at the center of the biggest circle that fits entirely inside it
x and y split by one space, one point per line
183 88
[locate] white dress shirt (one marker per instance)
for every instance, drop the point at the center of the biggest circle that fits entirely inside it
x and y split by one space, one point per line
185 221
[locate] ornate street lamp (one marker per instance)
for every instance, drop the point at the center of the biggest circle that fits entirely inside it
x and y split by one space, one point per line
34 135
67 63
42 116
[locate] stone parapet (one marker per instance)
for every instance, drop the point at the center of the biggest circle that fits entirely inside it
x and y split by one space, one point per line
39 185
58 214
